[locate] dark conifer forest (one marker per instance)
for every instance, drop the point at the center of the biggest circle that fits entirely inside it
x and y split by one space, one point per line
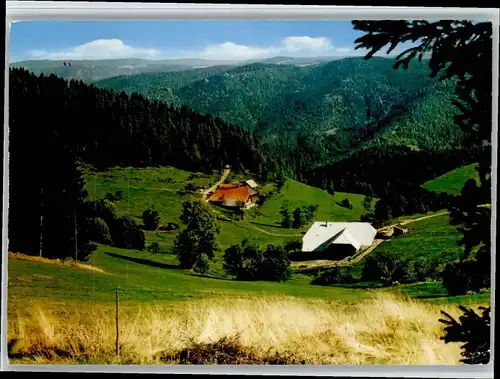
55 124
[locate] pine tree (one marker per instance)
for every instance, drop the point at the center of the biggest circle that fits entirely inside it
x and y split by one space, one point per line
286 219
197 244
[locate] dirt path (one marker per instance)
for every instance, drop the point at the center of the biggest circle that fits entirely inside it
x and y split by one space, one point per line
363 254
274 234
154 189
421 218
225 173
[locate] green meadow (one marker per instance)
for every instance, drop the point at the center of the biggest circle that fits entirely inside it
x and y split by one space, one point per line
144 276
453 181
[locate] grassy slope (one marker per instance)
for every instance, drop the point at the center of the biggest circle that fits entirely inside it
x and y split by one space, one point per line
159 188
299 194
154 277
432 238
146 280
453 181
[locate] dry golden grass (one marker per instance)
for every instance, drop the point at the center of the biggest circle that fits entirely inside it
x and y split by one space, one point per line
382 330
69 262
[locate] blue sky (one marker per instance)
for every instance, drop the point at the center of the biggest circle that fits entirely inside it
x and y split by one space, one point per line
220 40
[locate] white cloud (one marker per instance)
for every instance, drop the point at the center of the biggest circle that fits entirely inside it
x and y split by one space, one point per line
304 43
290 46
98 49
232 51
294 46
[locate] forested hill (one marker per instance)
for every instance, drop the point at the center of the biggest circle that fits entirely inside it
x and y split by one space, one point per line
92 70
106 128
331 107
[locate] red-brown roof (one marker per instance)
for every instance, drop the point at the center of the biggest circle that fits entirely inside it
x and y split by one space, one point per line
239 193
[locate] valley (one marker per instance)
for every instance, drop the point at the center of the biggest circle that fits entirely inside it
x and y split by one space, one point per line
158 212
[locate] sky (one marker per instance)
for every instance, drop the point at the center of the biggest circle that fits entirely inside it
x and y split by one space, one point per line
215 40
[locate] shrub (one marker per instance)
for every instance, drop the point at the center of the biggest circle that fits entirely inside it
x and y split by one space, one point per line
367 203
346 204
248 262
190 187
387 268
233 260
334 275
171 226
276 265
424 269
466 276
330 188
117 196
302 216
293 246
310 211
286 219
154 247
371 271
101 208
99 231
298 218
126 234
151 219
327 278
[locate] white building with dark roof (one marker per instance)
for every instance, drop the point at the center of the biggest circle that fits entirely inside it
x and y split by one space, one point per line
336 240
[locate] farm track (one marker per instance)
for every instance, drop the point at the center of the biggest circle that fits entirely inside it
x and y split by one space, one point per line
225 173
421 218
274 234
154 189
363 254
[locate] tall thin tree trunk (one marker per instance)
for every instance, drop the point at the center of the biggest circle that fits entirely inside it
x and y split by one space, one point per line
76 240
41 222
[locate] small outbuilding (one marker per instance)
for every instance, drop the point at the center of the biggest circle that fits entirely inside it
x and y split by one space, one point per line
399 230
251 183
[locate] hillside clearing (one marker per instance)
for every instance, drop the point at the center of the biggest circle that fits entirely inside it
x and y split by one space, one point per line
453 181
297 194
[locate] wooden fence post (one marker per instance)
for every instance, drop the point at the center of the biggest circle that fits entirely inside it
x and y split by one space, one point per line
116 323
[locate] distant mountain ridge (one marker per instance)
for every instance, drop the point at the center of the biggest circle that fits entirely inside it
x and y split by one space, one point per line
334 106
314 110
90 70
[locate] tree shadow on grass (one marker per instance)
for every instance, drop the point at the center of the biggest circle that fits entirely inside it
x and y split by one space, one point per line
430 296
276 226
210 276
144 261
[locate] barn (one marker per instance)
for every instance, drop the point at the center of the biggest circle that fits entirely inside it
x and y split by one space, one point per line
337 240
234 195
